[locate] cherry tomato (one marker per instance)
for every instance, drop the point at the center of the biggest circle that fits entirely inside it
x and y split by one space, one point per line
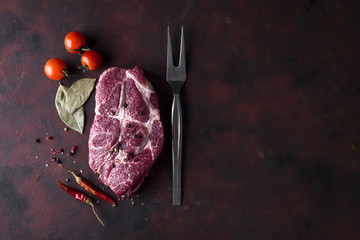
75 42
91 60
55 69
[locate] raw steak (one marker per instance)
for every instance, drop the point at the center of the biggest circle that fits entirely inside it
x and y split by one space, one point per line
127 135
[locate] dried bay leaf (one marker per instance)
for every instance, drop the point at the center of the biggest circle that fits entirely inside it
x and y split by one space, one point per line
72 120
78 93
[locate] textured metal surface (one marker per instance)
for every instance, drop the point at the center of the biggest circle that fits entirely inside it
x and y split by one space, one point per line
271 119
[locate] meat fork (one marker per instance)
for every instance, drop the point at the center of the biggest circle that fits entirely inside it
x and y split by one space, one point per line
176 77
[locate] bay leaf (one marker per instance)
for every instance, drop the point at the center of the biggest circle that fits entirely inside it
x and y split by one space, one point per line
72 120
79 93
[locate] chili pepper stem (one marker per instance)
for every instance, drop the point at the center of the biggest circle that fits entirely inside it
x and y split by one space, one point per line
77 178
79 196
88 201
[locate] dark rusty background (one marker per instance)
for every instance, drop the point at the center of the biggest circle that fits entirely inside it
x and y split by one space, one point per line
271 119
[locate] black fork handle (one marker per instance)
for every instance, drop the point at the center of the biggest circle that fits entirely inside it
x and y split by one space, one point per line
176 124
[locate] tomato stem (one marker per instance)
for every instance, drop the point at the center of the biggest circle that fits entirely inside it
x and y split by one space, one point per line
85 48
65 72
84 68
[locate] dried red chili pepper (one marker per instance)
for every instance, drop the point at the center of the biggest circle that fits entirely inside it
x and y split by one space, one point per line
90 187
79 196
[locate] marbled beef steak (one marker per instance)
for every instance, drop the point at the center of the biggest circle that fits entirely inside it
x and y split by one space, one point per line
127 135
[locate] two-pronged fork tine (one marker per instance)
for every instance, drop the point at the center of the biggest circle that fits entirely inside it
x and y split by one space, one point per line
176 76
176 73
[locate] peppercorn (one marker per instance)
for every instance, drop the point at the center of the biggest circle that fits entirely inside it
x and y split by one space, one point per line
73 149
60 150
128 156
55 159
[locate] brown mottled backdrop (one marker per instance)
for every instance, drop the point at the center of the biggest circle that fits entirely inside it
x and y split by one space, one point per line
271 119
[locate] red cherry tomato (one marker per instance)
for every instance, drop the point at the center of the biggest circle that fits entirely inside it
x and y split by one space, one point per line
90 60
55 69
75 42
